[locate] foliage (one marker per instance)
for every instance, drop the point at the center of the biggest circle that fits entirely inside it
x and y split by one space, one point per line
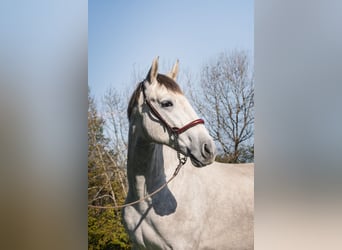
106 187
246 154
105 230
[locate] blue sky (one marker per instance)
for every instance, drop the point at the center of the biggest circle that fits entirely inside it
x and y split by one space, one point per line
124 36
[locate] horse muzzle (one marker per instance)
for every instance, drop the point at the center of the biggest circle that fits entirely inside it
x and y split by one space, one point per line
203 156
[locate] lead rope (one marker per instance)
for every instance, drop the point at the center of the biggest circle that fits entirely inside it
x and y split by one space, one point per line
181 162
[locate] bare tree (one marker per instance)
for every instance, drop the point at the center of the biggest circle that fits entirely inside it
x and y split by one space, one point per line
104 171
116 124
225 98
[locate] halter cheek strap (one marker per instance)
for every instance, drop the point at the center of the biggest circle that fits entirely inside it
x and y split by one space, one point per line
173 130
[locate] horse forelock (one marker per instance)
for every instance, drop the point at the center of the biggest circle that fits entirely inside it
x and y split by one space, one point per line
162 80
169 83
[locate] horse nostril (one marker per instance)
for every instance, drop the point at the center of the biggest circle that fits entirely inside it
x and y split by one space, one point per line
206 151
206 148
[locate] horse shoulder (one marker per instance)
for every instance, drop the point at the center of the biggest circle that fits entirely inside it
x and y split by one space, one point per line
230 206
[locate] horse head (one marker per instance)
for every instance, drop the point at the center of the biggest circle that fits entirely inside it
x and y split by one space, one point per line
163 115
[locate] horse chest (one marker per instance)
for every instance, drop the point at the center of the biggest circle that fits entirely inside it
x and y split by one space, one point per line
180 229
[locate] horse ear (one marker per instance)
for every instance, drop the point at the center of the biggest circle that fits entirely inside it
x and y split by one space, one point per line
153 72
174 72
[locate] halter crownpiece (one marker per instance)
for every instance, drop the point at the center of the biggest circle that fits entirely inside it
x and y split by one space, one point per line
173 130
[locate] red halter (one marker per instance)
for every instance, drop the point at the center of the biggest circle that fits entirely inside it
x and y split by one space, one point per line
173 130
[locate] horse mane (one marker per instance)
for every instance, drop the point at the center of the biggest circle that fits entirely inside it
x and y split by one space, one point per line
162 80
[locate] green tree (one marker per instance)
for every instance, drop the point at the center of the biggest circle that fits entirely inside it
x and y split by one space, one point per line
106 187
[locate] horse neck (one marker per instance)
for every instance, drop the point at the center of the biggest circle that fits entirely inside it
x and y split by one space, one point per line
147 165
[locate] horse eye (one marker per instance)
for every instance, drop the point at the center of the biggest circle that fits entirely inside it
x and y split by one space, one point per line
166 104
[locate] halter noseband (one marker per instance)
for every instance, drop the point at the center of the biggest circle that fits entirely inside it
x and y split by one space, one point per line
173 130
